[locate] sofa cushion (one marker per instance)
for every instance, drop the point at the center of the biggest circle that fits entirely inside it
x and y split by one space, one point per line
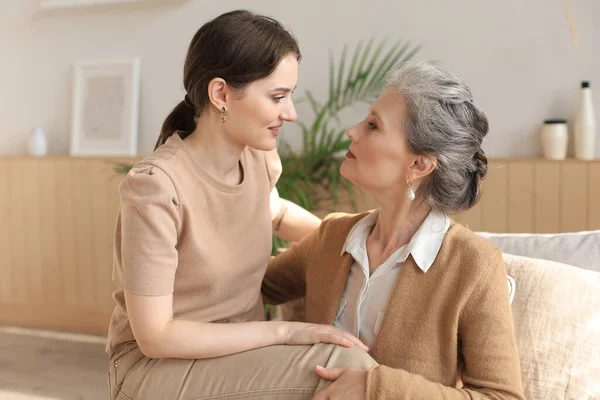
557 325
581 249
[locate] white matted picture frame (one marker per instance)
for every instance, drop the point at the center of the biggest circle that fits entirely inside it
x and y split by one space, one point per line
105 108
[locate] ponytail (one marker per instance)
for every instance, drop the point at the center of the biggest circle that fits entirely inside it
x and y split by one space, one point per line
182 118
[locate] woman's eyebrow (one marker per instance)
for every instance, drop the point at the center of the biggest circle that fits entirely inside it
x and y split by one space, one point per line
377 117
284 89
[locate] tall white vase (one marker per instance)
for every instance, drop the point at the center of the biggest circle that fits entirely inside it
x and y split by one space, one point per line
585 125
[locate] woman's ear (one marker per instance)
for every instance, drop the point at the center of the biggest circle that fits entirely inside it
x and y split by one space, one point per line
422 166
217 93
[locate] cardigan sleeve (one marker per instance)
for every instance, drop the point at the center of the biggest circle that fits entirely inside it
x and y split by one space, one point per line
488 346
285 278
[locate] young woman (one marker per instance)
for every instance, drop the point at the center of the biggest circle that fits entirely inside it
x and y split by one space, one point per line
193 236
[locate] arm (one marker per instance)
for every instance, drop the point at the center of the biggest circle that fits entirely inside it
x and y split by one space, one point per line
489 350
290 221
285 278
160 336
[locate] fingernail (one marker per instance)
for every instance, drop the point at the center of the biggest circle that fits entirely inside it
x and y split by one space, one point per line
318 366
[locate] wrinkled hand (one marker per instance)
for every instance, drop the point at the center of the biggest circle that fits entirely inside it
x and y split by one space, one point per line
302 333
348 384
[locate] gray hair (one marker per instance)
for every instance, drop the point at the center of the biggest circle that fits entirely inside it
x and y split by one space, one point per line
441 120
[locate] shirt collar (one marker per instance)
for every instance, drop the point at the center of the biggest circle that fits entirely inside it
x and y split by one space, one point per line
359 232
424 246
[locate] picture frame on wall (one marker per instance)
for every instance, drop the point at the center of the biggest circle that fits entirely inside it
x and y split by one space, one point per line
105 114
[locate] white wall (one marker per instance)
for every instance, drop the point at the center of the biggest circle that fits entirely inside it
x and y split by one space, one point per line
517 56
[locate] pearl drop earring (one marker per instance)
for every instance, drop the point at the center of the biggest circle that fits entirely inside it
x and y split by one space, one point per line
411 192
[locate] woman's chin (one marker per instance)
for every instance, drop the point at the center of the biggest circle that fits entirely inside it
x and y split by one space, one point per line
349 172
265 145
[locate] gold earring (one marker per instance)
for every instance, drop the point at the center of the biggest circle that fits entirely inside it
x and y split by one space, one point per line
224 115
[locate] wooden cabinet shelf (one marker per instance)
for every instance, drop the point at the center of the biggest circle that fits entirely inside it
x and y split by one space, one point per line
57 217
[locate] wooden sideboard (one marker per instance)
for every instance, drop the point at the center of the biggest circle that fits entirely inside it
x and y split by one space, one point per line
57 217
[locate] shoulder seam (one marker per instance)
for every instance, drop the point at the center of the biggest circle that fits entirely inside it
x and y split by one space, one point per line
153 165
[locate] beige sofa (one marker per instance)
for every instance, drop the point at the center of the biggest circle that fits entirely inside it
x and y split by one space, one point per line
556 311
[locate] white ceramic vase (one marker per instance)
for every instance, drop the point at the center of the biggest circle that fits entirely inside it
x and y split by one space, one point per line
555 139
37 143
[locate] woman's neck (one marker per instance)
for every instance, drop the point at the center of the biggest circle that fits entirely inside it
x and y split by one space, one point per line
218 156
396 224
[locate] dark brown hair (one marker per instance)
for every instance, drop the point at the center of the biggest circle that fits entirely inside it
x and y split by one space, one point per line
239 47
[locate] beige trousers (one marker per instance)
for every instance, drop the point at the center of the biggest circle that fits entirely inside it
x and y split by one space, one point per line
275 372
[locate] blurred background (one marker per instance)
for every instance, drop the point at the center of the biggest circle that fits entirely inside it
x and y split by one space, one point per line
518 56
85 86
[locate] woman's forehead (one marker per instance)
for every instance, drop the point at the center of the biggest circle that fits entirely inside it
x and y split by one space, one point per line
389 107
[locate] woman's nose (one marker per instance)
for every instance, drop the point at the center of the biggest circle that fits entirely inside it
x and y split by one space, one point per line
289 113
352 133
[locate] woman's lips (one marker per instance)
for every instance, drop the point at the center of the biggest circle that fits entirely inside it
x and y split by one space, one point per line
275 130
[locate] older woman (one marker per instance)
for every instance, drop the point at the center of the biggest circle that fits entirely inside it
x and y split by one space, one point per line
426 294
